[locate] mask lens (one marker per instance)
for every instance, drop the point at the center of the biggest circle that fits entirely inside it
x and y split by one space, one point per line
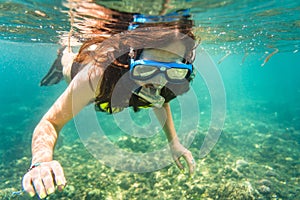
141 71
177 74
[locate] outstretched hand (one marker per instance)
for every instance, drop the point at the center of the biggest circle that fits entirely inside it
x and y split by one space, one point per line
43 178
178 151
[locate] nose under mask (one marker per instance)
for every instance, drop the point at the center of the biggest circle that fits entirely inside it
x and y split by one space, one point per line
151 94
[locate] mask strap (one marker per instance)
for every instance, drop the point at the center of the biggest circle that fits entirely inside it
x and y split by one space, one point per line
131 53
135 54
170 17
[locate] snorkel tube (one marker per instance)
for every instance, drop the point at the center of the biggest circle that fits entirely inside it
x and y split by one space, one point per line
151 94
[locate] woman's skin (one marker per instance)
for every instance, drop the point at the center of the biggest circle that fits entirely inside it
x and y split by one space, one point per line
43 178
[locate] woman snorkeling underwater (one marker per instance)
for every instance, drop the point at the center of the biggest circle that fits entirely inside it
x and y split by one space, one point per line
156 67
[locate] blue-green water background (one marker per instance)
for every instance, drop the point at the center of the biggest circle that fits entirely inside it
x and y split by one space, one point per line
256 96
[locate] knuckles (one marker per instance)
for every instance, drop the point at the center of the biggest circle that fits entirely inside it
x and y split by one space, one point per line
55 164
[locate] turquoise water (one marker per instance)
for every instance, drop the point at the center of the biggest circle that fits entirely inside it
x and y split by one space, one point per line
257 154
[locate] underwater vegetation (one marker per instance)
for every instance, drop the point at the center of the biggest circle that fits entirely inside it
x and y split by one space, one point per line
254 159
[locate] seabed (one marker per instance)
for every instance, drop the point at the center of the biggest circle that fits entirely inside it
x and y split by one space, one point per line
252 160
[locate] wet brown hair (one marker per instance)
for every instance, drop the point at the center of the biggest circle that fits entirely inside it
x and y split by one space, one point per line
113 54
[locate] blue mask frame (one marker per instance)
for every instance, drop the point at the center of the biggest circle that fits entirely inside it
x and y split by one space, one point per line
160 65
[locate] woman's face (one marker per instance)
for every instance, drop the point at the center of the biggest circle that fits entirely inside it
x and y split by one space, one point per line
173 52
150 90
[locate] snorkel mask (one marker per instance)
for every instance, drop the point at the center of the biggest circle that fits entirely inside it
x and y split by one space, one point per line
148 71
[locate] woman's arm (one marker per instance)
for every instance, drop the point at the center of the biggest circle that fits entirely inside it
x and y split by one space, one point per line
164 115
46 173
77 95
46 132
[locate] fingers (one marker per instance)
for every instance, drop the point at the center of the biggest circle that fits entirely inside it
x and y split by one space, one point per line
179 164
47 180
190 162
179 151
187 155
27 186
58 173
40 179
33 183
192 166
39 186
